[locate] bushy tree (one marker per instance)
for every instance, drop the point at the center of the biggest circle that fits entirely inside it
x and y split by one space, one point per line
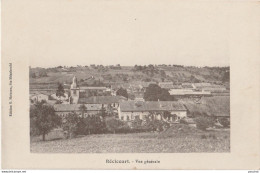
83 109
43 73
122 92
113 124
32 75
204 122
60 91
155 93
225 122
70 124
226 77
155 125
43 119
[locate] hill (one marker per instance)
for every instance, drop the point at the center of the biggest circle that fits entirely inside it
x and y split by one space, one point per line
100 75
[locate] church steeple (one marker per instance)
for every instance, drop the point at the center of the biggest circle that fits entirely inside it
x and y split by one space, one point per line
74 90
74 84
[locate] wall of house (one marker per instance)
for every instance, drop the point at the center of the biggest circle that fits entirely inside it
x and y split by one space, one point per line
126 116
180 114
86 114
39 98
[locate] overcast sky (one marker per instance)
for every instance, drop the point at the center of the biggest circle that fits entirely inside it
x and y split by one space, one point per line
126 32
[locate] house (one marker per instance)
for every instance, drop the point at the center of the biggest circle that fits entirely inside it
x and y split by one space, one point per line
39 97
64 109
62 98
78 92
201 85
103 101
166 85
162 110
188 93
187 85
209 87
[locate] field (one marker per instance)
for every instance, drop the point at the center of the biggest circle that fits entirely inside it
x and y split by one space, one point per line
126 74
177 139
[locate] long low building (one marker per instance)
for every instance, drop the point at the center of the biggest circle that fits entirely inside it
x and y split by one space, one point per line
64 109
161 110
188 92
113 101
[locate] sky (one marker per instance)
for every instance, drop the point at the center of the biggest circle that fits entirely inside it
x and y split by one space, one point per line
76 32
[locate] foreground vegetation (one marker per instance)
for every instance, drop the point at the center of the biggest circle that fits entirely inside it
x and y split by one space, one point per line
179 138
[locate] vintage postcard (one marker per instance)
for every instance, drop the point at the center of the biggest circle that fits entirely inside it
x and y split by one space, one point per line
130 84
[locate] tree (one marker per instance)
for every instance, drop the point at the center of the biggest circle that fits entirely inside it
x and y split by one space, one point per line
122 92
43 73
225 122
113 124
204 122
155 93
60 91
226 77
32 75
70 124
162 73
43 119
103 112
83 109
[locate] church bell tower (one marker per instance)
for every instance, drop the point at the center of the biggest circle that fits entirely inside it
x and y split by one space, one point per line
74 91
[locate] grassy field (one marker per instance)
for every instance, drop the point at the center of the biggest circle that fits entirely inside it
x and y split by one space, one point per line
180 74
177 139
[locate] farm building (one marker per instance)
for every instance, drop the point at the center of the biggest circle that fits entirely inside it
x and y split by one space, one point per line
166 85
64 109
187 85
209 87
76 91
39 97
170 110
188 93
104 101
62 98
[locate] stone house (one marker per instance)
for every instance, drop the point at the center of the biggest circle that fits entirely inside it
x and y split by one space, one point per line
162 110
64 109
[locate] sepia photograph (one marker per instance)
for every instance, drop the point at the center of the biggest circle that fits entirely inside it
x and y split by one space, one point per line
130 84
129 109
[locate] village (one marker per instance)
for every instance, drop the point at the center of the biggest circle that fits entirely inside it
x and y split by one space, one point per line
96 98
137 107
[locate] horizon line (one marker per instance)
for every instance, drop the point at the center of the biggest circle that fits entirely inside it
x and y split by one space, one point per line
198 66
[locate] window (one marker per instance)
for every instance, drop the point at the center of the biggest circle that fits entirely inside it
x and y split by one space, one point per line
128 117
122 118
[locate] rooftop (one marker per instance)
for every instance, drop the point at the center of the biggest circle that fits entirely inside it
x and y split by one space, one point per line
187 92
167 85
92 88
75 107
101 99
134 106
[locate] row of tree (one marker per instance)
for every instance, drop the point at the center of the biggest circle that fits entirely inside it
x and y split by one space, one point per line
43 119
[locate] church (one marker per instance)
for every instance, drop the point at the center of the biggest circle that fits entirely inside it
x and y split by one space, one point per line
92 95
74 91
